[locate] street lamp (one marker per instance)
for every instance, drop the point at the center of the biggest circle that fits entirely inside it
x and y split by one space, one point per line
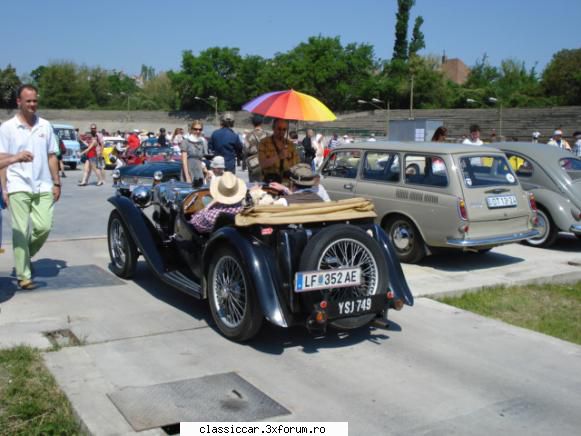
495 100
374 102
470 101
215 105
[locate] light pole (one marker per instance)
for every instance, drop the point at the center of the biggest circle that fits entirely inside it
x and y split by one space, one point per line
125 94
412 98
495 100
215 105
374 102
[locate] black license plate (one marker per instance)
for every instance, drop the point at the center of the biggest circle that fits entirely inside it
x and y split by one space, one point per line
356 306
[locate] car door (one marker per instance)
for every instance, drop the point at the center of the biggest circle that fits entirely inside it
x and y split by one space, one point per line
340 173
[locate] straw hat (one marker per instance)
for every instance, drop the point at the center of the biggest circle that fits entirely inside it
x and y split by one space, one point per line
227 189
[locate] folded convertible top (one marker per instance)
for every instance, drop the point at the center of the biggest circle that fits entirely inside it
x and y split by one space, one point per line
342 210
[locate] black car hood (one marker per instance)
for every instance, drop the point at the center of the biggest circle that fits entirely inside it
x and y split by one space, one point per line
147 170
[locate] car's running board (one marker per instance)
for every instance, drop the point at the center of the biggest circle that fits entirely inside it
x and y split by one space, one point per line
183 283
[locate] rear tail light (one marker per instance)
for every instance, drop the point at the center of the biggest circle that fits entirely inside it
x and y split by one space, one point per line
532 201
462 210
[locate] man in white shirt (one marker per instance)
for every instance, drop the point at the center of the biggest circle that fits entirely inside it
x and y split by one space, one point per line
30 189
558 141
474 138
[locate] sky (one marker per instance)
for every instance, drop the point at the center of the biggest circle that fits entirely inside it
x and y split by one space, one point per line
125 34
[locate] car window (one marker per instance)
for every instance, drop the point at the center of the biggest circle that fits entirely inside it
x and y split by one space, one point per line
66 134
521 166
381 166
486 170
342 164
572 166
425 170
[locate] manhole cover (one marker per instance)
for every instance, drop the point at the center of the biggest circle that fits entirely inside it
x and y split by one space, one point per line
220 397
53 276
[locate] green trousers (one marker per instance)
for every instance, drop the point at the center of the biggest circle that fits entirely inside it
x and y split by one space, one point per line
26 240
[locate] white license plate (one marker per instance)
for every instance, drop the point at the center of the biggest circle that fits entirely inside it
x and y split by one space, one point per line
334 278
501 201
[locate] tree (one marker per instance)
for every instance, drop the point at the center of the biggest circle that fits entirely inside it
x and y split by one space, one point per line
400 47
9 83
562 77
418 41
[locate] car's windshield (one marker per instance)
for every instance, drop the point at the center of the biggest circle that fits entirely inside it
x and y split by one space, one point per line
66 134
572 166
486 170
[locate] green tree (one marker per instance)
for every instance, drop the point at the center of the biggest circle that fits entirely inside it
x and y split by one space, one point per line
418 42
9 83
400 47
63 87
157 94
562 77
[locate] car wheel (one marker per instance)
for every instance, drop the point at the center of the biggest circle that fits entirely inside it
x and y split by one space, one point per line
548 231
122 249
233 302
405 238
73 166
345 246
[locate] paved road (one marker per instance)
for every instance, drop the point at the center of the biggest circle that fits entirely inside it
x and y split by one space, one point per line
438 370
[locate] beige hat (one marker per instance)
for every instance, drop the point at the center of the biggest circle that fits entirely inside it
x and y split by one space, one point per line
302 174
218 162
227 189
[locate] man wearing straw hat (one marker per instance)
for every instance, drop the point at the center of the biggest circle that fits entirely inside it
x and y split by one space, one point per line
227 192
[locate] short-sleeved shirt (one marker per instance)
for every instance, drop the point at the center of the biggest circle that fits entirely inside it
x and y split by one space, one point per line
40 140
226 143
281 168
195 149
204 220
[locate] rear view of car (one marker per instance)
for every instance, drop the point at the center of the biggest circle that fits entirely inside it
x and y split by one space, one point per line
66 133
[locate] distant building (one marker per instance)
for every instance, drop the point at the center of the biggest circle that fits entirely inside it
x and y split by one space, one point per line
455 70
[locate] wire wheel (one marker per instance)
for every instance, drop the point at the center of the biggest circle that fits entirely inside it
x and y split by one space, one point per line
122 249
230 296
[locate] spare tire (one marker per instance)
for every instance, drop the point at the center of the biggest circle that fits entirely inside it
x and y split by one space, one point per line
345 246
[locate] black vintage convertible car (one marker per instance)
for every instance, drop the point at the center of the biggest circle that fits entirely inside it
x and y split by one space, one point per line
315 265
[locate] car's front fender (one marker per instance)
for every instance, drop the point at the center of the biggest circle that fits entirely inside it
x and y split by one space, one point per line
257 262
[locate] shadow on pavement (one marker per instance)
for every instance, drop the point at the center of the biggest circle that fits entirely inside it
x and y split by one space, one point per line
453 260
566 243
145 278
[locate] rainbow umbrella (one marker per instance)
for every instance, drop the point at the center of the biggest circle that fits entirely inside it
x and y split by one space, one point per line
290 105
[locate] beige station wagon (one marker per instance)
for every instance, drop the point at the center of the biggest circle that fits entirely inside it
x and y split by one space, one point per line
430 195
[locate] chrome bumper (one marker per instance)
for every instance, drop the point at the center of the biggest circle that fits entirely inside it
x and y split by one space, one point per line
497 240
576 229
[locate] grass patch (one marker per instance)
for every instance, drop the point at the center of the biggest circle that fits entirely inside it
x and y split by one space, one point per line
30 401
551 309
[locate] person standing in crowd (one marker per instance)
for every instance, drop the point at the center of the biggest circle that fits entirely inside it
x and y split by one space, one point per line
440 134
474 138
333 142
319 147
193 149
577 146
225 142
536 136
308 147
277 154
251 149
95 160
30 189
162 138
558 141
133 140
176 139
7 159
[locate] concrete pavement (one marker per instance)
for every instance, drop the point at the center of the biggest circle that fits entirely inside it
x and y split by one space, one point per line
437 370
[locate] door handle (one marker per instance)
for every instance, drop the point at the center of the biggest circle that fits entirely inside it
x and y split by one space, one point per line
348 186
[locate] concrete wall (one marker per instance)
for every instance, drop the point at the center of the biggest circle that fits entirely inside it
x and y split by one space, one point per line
519 122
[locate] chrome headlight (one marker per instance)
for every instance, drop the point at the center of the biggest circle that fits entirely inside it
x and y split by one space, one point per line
141 196
158 176
116 174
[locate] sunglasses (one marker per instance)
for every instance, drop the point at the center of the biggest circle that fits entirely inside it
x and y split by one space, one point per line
196 130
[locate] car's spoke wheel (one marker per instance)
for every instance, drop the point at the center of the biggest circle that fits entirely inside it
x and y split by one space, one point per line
232 297
345 246
406 240
548 231
122 249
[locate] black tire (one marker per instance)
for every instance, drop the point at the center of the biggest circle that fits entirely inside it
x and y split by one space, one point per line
549 232
482 250
72 166
405 238
231 291
122 249
324 251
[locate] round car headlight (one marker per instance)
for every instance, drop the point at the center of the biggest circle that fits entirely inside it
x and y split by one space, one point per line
141 196
116 174
158 176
